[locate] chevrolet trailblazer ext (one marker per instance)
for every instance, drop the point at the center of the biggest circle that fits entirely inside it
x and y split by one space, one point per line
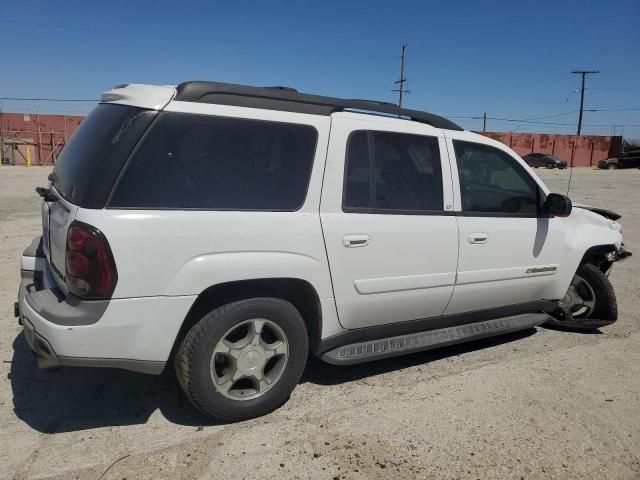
235 229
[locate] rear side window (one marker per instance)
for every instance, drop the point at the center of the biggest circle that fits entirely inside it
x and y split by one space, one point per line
492 182
392 173
207 162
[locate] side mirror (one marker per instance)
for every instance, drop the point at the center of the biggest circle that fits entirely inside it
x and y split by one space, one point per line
557 205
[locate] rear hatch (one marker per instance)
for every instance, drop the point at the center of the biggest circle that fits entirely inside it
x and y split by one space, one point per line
56 218
86 172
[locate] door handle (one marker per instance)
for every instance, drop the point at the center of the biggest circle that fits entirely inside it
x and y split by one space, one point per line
478 237
352 241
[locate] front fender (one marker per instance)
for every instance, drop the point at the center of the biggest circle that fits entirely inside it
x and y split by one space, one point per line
585 229
210 269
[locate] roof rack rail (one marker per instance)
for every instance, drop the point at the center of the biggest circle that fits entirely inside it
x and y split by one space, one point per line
289 100
377 102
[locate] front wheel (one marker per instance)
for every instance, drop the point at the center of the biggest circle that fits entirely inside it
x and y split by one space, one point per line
612 166
550 165
589 303
243 359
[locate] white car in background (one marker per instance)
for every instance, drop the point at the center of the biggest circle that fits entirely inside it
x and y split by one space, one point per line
234 230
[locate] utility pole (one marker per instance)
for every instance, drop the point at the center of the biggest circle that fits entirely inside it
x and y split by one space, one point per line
584 73
484 122
401 91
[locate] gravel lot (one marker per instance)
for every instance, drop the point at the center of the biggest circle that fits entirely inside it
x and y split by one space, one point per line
539 404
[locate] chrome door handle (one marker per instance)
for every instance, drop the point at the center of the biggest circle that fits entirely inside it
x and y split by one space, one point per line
352 241
478 238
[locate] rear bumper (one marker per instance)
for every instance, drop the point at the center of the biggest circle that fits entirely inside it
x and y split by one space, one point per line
131 333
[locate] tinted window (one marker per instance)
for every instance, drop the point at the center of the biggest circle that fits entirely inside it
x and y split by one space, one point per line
491 181
100 144
197 161
392 172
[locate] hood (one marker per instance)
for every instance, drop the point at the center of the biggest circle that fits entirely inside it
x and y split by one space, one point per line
600 211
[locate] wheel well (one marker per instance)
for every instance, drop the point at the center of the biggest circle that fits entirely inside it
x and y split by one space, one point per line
299 293
598 256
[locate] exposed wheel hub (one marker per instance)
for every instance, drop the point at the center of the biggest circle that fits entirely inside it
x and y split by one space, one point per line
251 359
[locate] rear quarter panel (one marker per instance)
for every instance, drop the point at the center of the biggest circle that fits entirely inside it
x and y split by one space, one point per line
168 252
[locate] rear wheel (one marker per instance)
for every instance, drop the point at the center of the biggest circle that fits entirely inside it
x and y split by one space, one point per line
589 303
243 359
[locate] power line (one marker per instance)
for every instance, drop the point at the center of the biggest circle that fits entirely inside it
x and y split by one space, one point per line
28 99
612 109
584 73
612 88
552 116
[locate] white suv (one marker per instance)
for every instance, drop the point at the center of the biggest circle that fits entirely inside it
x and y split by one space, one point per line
235 229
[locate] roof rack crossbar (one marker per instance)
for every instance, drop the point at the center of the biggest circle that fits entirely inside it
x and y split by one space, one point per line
287 99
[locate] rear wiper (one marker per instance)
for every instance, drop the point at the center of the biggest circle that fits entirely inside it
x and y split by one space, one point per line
46 194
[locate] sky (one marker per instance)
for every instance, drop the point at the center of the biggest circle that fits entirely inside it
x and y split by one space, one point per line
509 59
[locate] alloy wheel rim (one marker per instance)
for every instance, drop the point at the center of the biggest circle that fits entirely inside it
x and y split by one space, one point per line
249 359
579 301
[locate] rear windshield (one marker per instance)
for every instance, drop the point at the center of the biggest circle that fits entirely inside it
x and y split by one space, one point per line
207 162
79 160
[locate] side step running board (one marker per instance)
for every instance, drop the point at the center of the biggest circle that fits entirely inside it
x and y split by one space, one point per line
416 342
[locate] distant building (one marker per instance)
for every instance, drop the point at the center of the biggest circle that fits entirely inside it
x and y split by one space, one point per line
577 151
46 135
38 136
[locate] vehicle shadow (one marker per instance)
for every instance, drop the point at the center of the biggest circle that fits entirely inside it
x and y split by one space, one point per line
581 331
70 399
75 399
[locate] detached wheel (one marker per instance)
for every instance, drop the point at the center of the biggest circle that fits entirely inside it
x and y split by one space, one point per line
589 303
243 359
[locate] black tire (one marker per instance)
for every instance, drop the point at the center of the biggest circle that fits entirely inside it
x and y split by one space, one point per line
605 311
192 360
612 166
550 166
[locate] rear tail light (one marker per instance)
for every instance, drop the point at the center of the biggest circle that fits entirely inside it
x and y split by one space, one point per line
90 269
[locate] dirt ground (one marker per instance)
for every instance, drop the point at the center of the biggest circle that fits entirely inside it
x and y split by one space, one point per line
539 404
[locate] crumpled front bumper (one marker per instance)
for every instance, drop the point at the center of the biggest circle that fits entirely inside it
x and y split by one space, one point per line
619 254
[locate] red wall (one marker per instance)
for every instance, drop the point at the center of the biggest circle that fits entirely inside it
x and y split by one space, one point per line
55 130
44 134
577 151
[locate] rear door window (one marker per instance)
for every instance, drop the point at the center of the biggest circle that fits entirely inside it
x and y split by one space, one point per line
390 173
207 162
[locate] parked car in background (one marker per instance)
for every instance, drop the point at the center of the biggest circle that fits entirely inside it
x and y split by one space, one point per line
544 160
629 159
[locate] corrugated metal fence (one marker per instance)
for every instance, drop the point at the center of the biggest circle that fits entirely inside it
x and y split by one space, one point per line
35 139
577 151
38 139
